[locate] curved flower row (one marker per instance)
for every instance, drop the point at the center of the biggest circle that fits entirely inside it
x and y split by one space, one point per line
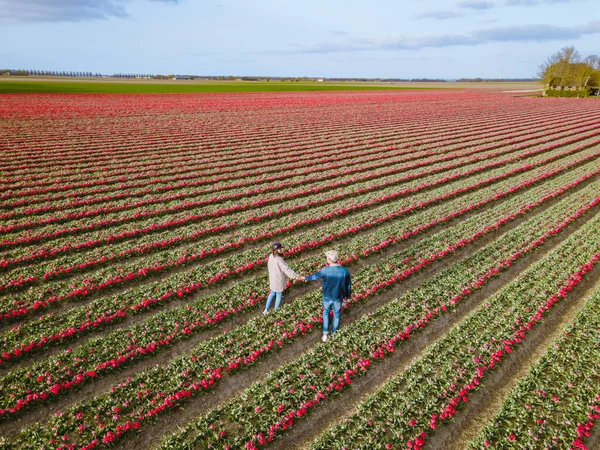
21 278
71 368
249 260
150 393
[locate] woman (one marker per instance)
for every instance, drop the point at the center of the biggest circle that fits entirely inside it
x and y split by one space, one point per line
278 270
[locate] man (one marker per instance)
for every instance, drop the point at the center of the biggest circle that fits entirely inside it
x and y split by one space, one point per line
278 269
337 287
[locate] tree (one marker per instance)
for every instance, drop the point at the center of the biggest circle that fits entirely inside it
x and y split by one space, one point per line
593 61
582 74
549 71
559 69
567 68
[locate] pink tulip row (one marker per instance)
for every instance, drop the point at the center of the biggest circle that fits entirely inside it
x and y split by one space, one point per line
165 400
203 163
189 284
479 127
255 139
248 148
584 429
242 174
128 186
170 179
109 222
461 396
308 118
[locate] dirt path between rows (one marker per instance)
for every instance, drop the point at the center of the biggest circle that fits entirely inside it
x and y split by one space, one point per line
486 401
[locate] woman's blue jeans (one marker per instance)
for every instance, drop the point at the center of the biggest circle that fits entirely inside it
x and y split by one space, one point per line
272 295
328 305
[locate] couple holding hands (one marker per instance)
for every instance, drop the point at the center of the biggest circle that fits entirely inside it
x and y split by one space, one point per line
336 283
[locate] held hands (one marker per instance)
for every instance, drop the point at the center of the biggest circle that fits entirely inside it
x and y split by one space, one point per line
300 278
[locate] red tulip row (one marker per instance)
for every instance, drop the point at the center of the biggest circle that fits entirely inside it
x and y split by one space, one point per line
125 347
294 194
459 129
308 117
285 168
27 304
180 185
159 141
133 393
284 118
535 413
414 129
44 254
249 138
23 281
123 186
584 429
190 283
323 167
154 227
469 352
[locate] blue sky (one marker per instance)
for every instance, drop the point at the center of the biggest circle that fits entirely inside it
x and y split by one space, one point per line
317 38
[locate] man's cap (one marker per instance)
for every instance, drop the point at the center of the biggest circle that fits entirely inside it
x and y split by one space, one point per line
333 255
277 245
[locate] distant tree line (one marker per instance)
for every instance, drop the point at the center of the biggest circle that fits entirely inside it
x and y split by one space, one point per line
567 68
74 74
46 73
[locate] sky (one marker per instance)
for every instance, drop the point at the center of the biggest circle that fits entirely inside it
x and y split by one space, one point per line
284 38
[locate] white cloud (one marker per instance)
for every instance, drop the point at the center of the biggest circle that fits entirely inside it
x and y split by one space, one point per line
65 10
519 33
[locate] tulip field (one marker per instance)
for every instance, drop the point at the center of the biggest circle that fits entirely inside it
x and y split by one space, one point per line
134 236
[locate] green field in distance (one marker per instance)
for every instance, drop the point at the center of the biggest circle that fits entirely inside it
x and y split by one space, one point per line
180 87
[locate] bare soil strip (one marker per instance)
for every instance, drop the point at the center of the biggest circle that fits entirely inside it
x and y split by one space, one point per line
484 403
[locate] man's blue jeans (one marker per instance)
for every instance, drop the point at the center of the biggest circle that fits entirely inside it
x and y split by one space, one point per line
336 305
272 295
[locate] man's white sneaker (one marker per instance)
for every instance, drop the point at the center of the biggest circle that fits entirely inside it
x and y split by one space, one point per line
324 337
266 311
